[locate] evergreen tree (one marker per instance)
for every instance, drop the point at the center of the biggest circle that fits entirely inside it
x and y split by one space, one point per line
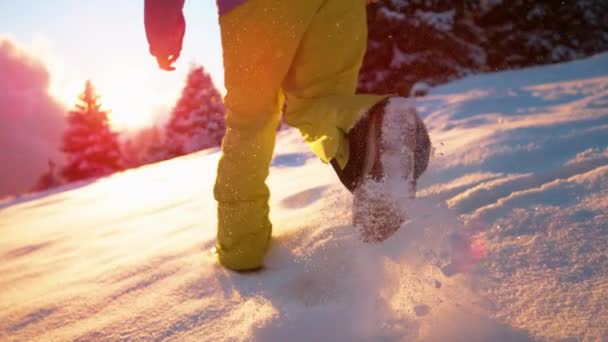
155 147
411 41
438 40
527 32
92 149
197 121
144 147
47 180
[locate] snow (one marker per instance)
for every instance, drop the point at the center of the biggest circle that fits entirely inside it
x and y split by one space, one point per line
506 240
392 15
441 21
420 88
401 58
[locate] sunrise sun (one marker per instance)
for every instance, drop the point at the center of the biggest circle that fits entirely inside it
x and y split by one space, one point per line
128 110
130 106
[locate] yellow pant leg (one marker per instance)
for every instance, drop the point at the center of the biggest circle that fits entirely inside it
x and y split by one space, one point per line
259 40
320 86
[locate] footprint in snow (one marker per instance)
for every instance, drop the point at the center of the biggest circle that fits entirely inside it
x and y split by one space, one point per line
303 198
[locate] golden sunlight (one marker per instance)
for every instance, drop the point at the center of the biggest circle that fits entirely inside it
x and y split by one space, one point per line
129 107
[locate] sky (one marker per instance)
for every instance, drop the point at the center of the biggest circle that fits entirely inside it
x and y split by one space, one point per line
105 41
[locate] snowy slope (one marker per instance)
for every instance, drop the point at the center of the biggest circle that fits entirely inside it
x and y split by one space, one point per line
520 170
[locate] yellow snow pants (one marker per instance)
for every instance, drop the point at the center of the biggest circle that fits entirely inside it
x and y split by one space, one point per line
308 52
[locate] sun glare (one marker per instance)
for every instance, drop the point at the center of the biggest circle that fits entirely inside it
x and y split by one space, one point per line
130 107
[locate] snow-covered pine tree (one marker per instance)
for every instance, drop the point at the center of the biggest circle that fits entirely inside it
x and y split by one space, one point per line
47 180
91 148
155 147
416 40
197 121
438 40
520 33
145 147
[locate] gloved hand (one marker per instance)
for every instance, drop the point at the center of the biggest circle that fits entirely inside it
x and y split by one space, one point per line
165 58
165 27
166 63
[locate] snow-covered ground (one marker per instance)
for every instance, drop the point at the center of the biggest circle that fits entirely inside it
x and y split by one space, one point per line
507 240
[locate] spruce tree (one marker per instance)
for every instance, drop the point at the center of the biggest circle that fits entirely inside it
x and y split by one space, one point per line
411 41
47 180
91 148
197 121
528 32
154 149
144 147
438 40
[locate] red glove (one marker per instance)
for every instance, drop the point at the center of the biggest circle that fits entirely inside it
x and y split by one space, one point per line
165 28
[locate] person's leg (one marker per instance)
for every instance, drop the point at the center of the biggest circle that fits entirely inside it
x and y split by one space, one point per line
369 141
320 86
259 40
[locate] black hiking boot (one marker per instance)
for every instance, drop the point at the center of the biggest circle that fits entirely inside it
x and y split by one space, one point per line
389 148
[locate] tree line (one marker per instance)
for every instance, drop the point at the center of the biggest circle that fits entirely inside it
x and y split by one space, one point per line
92 149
